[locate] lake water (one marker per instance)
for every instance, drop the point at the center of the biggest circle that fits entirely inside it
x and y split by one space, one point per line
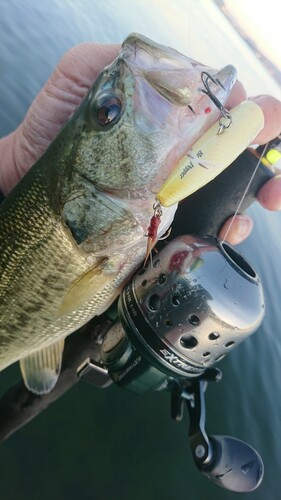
110 444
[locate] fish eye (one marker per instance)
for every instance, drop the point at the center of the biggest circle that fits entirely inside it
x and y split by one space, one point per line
107 110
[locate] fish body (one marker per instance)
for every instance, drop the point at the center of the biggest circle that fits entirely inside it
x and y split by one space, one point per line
73 230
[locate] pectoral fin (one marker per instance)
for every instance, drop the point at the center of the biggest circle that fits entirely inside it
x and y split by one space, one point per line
40 370
84 289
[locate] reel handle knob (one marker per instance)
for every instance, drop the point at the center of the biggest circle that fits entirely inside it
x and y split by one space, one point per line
225 460
235 465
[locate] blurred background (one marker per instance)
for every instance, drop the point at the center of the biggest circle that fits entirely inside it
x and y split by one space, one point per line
109 444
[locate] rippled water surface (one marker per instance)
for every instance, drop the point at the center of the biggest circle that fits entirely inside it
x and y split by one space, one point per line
112 445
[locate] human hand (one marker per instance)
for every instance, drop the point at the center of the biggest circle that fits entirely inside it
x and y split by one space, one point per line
65 89
269 195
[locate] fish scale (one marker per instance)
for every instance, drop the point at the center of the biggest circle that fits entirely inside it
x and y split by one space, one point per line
28 272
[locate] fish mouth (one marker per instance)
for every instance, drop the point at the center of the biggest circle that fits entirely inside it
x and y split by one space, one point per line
175 95
173 75
142 51
165 69
204 100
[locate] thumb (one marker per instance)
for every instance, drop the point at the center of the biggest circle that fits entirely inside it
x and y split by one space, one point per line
65 89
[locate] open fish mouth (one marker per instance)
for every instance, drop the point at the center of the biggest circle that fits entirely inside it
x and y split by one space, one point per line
177 77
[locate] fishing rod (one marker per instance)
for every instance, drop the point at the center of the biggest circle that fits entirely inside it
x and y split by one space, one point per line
174 320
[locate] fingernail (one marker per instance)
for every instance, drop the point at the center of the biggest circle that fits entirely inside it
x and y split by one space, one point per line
240 229
257 97
244 225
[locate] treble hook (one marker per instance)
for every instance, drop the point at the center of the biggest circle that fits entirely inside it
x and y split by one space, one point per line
205 77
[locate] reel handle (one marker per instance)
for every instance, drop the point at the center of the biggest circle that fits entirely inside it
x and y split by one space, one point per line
225 460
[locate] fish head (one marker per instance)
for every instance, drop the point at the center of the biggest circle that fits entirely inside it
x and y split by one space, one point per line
142 115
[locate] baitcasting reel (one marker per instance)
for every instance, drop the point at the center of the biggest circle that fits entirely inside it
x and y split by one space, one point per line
192 305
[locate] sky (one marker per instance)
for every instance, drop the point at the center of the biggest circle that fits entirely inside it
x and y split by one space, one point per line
262 22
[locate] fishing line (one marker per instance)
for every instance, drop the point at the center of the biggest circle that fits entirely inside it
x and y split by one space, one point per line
245 193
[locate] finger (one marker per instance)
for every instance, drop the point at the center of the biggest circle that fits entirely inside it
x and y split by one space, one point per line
236 229
69 83
237 95
271 108
269 195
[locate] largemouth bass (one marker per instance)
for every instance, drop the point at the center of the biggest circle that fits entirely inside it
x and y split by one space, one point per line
73 230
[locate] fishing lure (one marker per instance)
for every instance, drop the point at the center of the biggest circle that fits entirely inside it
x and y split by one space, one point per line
209 156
